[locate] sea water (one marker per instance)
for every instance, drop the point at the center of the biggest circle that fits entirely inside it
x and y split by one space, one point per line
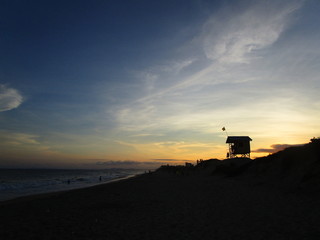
21 182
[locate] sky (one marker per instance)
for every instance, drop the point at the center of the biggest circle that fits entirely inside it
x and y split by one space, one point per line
100 84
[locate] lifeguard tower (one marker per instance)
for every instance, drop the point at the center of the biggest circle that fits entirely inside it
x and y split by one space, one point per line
239 146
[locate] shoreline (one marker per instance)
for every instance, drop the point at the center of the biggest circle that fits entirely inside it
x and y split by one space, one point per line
52 192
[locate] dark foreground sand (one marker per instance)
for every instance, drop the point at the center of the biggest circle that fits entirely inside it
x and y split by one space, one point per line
165 206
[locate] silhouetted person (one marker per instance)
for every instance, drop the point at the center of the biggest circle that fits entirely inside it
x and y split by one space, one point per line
100 178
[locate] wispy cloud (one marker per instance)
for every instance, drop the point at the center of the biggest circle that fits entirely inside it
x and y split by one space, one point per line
11 138
231 37
131 164
177 66
169 160
162 76
121 163
10 98
227 37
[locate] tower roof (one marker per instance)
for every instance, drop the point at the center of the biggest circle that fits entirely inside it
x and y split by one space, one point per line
232 139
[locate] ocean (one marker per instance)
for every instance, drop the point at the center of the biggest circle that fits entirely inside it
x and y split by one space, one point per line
22 182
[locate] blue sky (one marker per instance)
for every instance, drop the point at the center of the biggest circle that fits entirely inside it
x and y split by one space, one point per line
119 83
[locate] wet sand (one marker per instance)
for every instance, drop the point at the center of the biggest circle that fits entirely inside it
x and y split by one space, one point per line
163 205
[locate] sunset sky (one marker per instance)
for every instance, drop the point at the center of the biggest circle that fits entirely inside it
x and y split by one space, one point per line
99 84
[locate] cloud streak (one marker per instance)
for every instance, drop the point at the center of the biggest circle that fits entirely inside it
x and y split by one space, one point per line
154 163
275 148
18 138
226 38
168 160
231 38
121 163
9 98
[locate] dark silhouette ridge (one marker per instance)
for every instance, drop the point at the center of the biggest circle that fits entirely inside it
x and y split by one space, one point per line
298 166
293 167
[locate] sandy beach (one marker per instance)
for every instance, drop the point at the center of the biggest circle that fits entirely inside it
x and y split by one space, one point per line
165 205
